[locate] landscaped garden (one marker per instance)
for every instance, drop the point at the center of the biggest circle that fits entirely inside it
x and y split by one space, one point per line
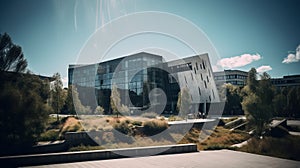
140 130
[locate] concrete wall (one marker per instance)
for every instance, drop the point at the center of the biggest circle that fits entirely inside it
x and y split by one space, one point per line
65 157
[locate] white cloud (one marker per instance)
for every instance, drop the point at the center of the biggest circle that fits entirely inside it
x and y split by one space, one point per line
264 68
292 57
238 61
215 68
298 52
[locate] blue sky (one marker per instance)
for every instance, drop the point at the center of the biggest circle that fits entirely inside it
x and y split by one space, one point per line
257 33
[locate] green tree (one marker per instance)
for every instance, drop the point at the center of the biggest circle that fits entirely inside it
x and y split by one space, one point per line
68 107
57 95
23 110
280 105
115 100
233 99
184 102
293 101
258 101
252 81
11 55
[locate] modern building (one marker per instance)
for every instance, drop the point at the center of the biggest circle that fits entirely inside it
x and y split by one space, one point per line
235 77
286 81
144 80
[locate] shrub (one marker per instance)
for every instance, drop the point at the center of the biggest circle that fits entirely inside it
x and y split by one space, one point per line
137 123
71 125
85 148
50 135
219 147
149 115
175 118
123 127
153 127
284 147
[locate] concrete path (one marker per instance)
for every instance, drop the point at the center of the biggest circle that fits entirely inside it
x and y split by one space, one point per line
293 122
203 159
241 144
191 121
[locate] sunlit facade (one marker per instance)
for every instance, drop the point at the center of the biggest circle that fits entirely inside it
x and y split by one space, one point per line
137 75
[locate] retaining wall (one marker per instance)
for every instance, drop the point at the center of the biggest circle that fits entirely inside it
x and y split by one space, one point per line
65 157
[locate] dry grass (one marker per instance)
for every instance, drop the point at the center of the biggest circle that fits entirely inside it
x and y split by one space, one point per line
205 139
153 127
284 147
71 125
107 123
220 138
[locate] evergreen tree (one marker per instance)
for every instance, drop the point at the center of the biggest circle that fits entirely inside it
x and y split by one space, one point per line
184 102
258 101
23 111
115 100
57 97
11 55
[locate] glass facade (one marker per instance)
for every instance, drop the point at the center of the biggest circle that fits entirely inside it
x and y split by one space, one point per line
136 75
133 75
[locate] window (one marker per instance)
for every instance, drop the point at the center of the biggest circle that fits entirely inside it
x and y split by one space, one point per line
197 66
205 84
190 65
207 79
199 91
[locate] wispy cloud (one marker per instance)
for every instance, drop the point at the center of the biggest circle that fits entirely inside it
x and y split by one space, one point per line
238 61
264 68
292 57
75 16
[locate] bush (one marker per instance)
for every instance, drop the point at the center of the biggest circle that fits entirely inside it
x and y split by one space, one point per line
219 147
71 125
284 147
85 148
23 110
149 115
153 127
50 135
175 118
123 127
137 123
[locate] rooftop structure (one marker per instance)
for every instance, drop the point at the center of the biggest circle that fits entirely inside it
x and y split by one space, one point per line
286 81
235 77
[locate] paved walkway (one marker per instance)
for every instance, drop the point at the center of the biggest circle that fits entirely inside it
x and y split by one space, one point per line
203 159
191 121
